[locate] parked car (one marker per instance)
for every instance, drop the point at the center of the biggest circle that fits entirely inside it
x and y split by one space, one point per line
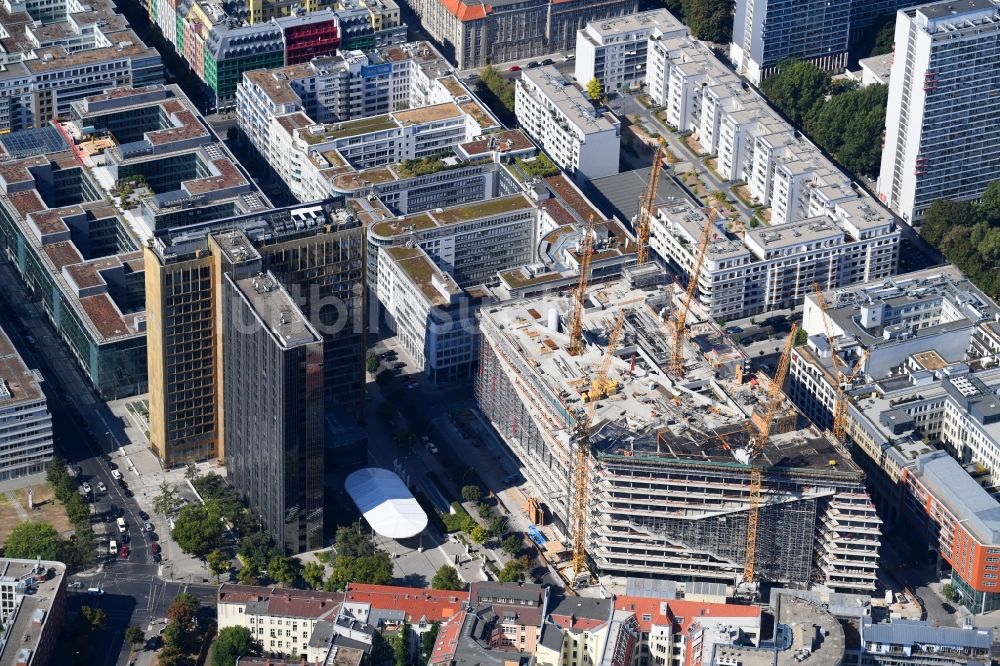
155 547
143 515
514 68
96 591
101 487
124 552
157 557
148 526
532 64
116 474
547 61
86 488
734 330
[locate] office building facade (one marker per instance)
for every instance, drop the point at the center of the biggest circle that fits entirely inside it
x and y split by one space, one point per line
25 422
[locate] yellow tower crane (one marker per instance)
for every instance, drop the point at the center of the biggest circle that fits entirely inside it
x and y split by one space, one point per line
647 206
842 376
758 441
680 330
576 321
601 387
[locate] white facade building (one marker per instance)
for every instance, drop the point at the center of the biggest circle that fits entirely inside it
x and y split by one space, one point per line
25 422
613 51
942 138
560 118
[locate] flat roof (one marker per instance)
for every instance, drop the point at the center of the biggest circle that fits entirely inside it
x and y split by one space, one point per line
17 382
386 503
967 501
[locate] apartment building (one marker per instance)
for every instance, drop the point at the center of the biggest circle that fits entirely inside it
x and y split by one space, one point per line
315 252
433 317
921 642
582 631
766 32
920 409
273 430
473 33
471 242
559 118
613 51
32 611
59 52
25 422
678 632
941 141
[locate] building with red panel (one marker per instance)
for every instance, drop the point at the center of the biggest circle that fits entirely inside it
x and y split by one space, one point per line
306 39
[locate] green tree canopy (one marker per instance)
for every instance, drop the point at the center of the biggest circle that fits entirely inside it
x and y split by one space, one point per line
134 635
313 574
198 529
351 542
232 643
710 20
479 534
446 578
284 569
511 544
796 88
372 363
373 569
989 205
218 563
31 540
849 126
167 501
943 215
472 493
257 546
512 572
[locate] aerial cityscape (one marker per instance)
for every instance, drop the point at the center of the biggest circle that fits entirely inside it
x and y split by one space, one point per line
500 333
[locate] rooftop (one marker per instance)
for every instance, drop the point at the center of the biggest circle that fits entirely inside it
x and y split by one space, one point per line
17 383
33 612
570 100
917 633
386 503
276 311
456 214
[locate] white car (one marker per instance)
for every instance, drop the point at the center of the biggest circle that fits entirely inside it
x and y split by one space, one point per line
116 474
86 488
101 487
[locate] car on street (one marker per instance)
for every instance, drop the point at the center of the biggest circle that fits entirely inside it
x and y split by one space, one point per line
147 526
948 608
101 487
95 591
86 488
116 511
127 492
155 547
532 64
124 552
387 355
734 330
143 515
116 474
112 547
569 56
157 557
75 585
514 68
547 61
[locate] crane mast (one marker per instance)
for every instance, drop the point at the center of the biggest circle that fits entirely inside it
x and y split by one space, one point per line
677 350
647 204
576 321
843 379
600 387
758 441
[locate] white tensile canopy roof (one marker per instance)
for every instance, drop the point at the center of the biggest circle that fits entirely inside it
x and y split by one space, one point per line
386 503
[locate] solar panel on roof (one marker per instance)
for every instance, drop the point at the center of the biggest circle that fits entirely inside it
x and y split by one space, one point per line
36 141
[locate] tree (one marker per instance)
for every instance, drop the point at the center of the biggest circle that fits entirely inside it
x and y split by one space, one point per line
183 610
351 542
710 20
885 36
511 544
447 578
849 126
134 635
479 534
218 563
949 592
283 569
373 569
249 573
428 639
233 643
497 92
256 546
989 205
167 501
191 471
472 493
313 574
512 572
801 337
945 214
796 88
55 472
198 530
595 90
401 645
372 363
96 618
497 527
32 540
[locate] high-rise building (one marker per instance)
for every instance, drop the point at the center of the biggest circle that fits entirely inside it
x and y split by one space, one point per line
25 422
765 32
942 139
315 253
272 378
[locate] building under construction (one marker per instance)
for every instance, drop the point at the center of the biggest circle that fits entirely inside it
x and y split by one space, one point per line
668 488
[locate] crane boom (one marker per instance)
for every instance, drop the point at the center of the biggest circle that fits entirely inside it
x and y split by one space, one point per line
582 477
758 441
677 351
646 206
576 322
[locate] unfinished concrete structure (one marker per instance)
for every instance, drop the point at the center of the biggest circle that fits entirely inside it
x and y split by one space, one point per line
669 484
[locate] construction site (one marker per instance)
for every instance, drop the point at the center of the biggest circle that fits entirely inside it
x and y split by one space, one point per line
650 458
